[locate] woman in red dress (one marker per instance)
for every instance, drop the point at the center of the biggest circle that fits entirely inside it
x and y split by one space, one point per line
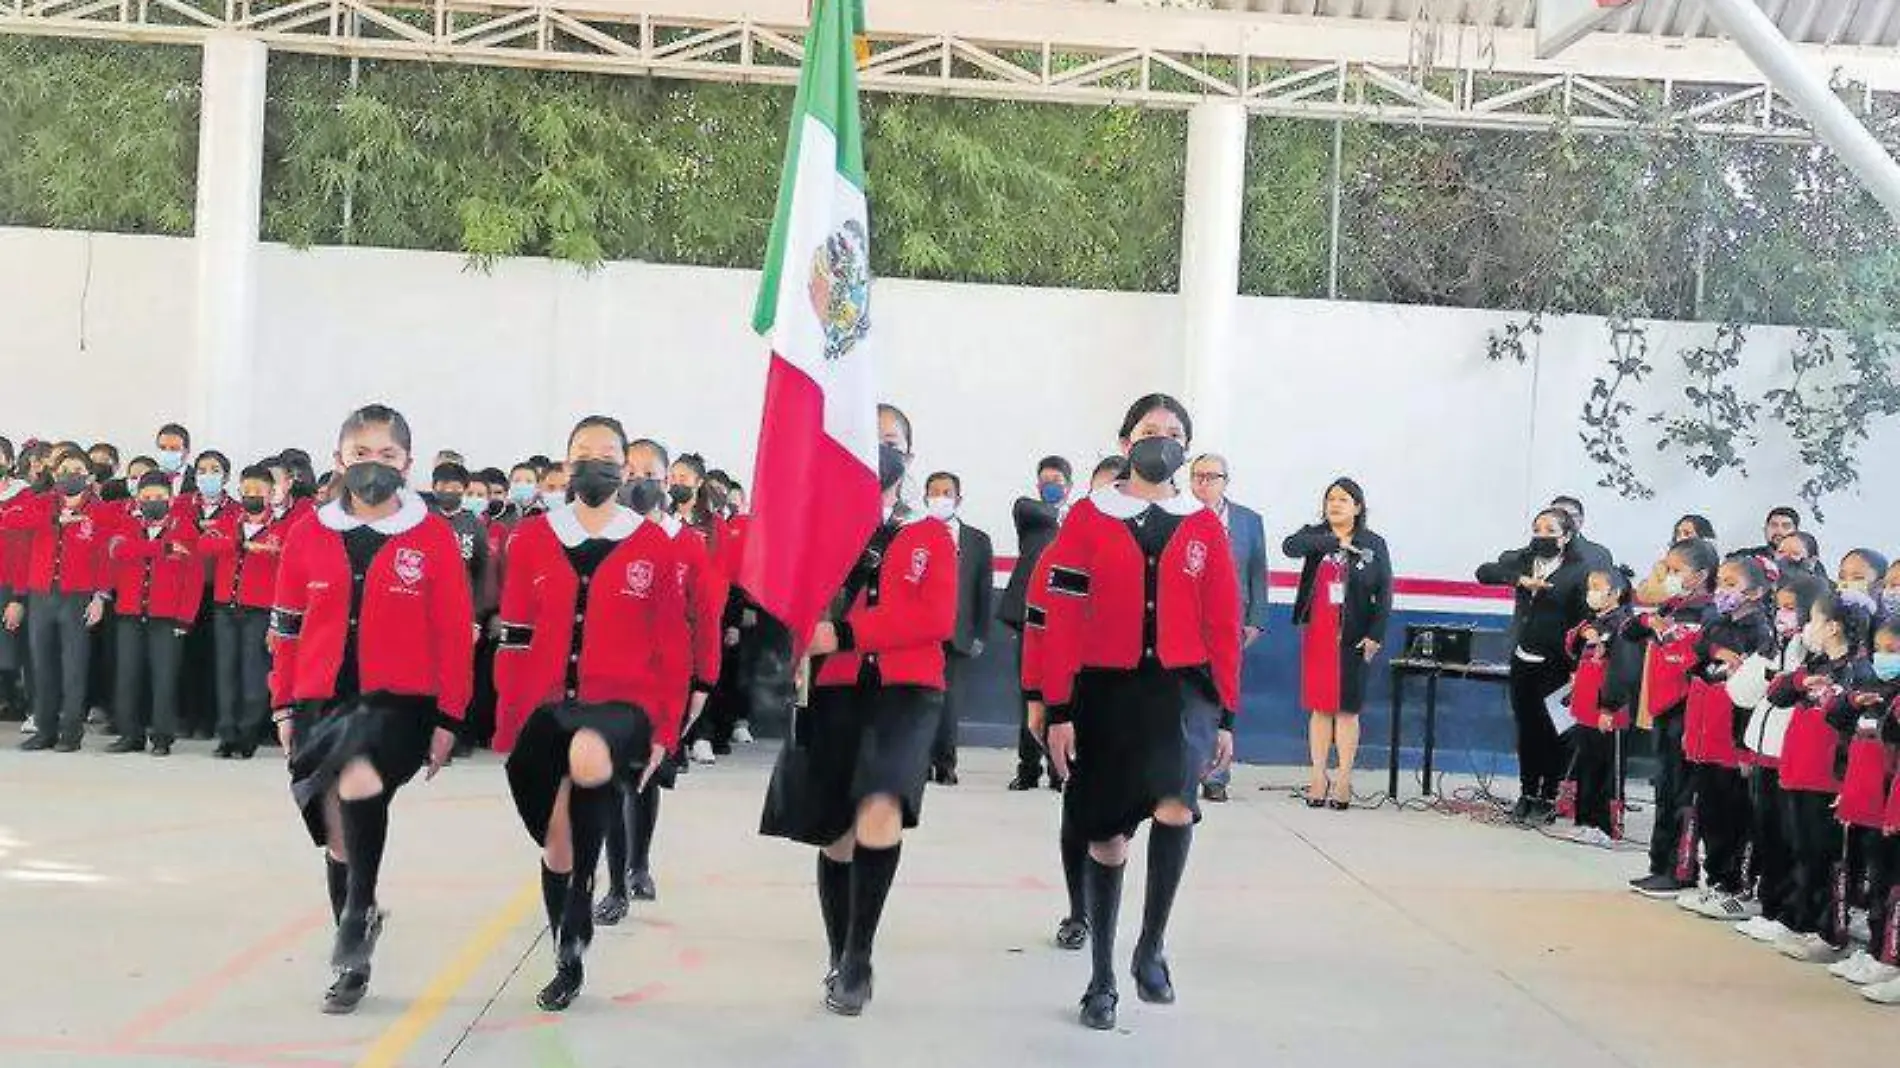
1344 603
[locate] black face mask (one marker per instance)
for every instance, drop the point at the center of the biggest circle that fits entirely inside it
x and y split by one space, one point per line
1546 548
1156 459
102 472
153 511
256 505
371 482
497 507
71 485
302 491
679 495
891 462
645 494
594 482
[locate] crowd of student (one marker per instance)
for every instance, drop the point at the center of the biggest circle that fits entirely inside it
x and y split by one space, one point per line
1772 694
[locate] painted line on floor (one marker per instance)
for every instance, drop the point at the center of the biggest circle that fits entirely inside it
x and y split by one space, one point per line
415 1022
206 990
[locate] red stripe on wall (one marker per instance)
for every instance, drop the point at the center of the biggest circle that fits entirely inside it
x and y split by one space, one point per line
1409 585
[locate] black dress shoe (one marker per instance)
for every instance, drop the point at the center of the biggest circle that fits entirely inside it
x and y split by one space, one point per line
611 909
346 993
1153 982
38 743
563 988
224 751
66 745
1521 812
1072 933
162 747
126 744
1022 783
1215 792
850 990
1098 1009
245 752
356 936
640 885
946 777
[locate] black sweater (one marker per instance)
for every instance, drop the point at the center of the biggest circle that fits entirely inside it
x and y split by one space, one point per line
1543 618
1368 602
1748 632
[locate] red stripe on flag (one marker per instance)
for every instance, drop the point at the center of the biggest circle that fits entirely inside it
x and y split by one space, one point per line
814 505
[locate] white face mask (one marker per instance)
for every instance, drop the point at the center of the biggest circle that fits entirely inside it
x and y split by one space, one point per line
554 499
1814 636
943 508
1673 585
1599 600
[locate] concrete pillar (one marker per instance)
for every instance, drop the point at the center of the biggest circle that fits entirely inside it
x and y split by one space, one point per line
230 203
1210 265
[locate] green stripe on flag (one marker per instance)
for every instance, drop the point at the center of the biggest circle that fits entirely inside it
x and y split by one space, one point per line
827 93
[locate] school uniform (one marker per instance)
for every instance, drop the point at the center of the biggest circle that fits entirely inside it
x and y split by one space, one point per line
1669 636
15 547
1343 599
66 570
976 590
1867 721
1713 732
156 574
1811 765
479 729
1766 729
200 700
1036 526
245 553
1540 663
1609 671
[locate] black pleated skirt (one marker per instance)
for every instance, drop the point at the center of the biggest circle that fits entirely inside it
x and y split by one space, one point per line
1141 737
391 731
853 742
539 761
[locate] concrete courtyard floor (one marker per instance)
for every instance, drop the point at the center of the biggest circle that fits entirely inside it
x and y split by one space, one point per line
160 913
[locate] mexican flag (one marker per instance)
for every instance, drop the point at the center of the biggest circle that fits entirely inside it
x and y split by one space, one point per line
815 492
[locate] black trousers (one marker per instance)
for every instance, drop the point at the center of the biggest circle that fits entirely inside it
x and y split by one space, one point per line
12 664
1768 834
1540 752
480 726
1883 896
198 678
150 652
61 648
1814 844
1722 817
1598 774
101 665
243 665
1030 756
1673 791
956 678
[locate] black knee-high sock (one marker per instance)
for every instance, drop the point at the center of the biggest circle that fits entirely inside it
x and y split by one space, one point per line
553 897
1167 860
618 831
588 811
338 874
1102 890
1075 850
365 830
834 902
646 816
872 871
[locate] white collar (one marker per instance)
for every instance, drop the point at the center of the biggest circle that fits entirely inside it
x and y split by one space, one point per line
670 524
404 519
13 488
1111 501
567 525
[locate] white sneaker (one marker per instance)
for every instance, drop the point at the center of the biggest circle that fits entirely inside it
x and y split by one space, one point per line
1887 993
1592 836
1864 969
742 733
1694 900
1762 929
703 752
1808 948
1847 966
1727 907
28 727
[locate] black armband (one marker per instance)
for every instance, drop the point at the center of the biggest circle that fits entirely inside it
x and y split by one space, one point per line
514 636
286 624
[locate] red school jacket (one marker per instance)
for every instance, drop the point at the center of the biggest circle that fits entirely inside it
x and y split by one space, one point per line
413 636
156 572
904 615
245 563
705 588
1096 605
64 557
16 546
633 643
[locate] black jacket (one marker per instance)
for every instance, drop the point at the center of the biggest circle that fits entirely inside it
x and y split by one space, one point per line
976 588
1368 602
1747 633
1596 556
1036 526
1543 618
1623 677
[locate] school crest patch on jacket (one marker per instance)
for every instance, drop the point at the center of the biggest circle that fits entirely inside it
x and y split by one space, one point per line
919 563
1196 558
640 577
409 566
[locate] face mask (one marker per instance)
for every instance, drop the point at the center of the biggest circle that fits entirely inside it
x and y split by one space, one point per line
496 507
102 472
171 461
1673 585
1787 622
595 481
1890 600
1545 548
1853 585
154 510
1727 601
891 463
70 485
521 492
1887 666
476 506
943 508
210 484
256 505
679 495
372 483
1814 636
1052 493
645 494
1156 459
1599 600
554 499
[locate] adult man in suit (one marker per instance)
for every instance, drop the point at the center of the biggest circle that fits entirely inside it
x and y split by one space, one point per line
1037 519
976 590
1248 537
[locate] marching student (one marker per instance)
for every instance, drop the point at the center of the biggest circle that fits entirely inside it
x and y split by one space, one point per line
371 671
590 671
1140 678
851 780
1866 719
1669 636
1713 726
65 593
245 548
159 582
1609 672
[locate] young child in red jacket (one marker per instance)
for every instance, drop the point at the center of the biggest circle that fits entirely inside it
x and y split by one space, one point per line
158 582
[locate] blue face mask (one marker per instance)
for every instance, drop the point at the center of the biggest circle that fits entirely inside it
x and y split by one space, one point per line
1887 666
1053 493
171 461
521 492
554 500
210 484
474 505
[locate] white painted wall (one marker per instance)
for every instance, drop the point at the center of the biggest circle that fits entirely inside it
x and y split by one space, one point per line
1455 452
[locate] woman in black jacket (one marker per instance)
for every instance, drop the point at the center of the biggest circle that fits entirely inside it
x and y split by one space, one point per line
1344 603
1552 580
